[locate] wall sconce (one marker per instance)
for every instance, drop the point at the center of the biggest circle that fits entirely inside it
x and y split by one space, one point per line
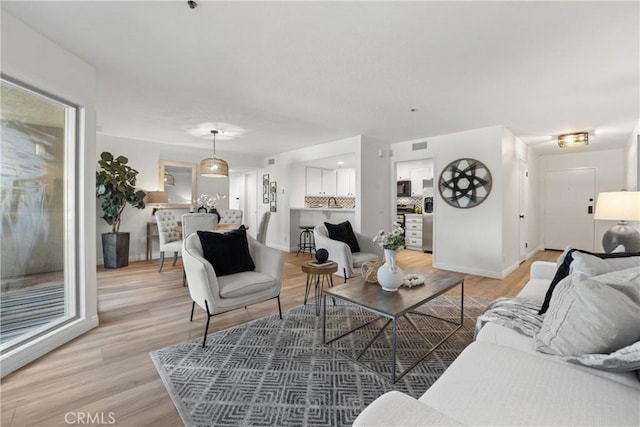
573 139
619 206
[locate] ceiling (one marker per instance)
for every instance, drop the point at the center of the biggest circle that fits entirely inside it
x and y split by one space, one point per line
284 75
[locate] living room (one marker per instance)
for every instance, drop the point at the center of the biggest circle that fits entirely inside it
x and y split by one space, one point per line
506 106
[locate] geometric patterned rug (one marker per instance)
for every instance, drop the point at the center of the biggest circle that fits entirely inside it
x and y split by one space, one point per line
279 373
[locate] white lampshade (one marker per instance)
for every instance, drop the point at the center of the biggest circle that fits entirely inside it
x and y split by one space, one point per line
618 206
157 197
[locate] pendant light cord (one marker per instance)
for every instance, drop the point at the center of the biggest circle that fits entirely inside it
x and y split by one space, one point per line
214 132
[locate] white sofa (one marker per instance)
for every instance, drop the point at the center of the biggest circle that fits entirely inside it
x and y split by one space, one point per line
500 379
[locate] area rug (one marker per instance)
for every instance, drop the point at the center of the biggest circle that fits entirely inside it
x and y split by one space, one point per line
279 373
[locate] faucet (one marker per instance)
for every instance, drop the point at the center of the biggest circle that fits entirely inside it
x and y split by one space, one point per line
335 202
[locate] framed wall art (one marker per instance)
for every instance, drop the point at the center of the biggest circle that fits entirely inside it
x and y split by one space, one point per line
265 188
465 183
273 197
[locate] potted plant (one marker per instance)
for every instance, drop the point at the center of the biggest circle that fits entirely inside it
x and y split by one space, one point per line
115 185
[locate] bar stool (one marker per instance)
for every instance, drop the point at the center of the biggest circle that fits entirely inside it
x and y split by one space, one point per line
306 240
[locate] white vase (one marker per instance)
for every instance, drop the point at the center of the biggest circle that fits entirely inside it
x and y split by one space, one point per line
390 276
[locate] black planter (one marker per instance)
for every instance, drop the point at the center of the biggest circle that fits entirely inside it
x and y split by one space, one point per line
115 249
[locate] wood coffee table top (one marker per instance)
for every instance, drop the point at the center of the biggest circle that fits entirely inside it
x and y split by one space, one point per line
396 304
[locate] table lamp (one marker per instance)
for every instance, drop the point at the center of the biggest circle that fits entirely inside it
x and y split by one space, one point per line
157 197
619 206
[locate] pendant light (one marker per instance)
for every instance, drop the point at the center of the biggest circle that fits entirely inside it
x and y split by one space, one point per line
169 179
214 166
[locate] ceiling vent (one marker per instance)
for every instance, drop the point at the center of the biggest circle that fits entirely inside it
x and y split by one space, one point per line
419 146
271 161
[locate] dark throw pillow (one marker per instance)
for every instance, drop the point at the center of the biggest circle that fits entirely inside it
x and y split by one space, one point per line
565 268
227 252
344 233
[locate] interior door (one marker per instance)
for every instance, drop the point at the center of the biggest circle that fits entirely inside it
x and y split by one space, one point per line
250 213
569 201
523 191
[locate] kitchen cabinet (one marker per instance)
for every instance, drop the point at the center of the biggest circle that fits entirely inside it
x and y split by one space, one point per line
403 171
413 232
346 182
320 182
417 176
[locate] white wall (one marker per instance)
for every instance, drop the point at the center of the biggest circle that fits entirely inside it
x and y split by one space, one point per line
509 186
533 203
609 166
373 174
31 58
144 156
632 160
471 240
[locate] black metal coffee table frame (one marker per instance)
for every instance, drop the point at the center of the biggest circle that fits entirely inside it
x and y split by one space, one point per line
393 306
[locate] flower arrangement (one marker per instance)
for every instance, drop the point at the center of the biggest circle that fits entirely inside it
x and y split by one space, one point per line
208 201
393 240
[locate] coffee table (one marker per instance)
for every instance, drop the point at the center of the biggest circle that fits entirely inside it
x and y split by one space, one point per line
393 306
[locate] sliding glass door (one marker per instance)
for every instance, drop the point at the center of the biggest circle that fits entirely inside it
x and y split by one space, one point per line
38 195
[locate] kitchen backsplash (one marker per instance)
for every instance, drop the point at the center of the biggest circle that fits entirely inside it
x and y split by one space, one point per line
345 202
410 201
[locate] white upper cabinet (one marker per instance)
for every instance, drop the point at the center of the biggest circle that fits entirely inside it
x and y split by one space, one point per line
403 171
346 182
417 176
320 182
313 182
328 182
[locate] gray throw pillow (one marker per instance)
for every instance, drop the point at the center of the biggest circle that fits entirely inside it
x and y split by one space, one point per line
594 266
592 315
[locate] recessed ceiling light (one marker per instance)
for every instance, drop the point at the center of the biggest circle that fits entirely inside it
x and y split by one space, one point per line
340 162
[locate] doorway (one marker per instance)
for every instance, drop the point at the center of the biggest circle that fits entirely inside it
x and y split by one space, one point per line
569 201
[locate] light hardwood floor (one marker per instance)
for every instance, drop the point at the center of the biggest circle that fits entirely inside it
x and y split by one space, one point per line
108 370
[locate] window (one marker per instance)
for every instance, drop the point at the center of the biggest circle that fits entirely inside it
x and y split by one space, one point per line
38 194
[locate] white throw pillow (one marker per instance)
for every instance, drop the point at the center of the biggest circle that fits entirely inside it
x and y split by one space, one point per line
593 266
592 315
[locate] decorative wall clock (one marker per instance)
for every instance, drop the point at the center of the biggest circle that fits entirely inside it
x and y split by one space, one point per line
465 183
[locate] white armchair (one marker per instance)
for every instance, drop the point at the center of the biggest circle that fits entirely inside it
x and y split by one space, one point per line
349 264
217 295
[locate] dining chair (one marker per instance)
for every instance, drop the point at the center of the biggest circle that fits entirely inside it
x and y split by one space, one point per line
230 216
262 228
169 234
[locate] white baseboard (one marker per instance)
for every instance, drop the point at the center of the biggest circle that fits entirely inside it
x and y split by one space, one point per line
27 353
467 270
507 271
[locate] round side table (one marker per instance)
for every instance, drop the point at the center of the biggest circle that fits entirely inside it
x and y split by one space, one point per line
318 275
